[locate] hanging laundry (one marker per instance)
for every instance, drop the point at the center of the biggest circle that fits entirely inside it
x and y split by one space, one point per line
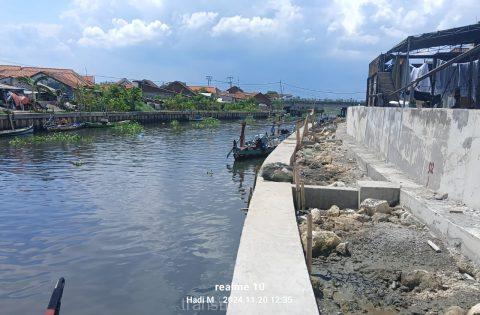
446 80
464 78
424 85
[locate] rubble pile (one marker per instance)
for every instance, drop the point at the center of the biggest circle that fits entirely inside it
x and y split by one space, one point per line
376 259
322 159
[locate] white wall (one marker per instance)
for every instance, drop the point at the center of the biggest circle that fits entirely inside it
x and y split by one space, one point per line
413 138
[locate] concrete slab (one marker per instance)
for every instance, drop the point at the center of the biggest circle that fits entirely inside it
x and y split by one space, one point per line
270 260
460 229
382 190
323 197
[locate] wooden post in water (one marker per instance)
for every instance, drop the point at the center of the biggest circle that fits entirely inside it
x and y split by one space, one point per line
11 121
309 243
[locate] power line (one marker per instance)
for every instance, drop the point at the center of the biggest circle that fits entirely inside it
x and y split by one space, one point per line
320 91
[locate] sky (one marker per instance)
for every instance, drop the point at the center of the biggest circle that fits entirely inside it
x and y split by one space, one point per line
315 48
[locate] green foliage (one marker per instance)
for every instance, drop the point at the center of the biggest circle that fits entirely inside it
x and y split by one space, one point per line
249 105
50 138
195 103
110 98
209 122
175 125
131 128
249 120
204 103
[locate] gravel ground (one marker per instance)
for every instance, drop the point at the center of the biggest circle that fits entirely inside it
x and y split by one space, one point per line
376 263
323 159
373 277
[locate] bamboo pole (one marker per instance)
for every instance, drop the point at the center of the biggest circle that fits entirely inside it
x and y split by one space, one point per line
302 189
309 243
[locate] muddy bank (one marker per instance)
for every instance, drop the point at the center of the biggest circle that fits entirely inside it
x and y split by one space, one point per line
378 261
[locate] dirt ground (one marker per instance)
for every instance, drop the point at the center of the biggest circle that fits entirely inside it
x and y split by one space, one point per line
377 262
389 268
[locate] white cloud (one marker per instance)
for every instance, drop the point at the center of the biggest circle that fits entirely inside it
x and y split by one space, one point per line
285 14
124 33
198 19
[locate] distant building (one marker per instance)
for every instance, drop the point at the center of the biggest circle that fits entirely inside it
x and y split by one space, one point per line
212 90
125 83
178 87
234 89
151 90
65 80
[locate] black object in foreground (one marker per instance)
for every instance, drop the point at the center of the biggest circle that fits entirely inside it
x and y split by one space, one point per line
53 307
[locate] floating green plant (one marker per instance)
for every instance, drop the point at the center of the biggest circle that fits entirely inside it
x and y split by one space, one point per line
50 138
131 128
175 125
249 120
209 122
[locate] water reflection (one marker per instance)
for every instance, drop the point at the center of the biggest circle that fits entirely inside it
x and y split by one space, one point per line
144 222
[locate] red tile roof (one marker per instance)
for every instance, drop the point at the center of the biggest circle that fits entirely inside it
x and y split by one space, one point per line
66 76
206 89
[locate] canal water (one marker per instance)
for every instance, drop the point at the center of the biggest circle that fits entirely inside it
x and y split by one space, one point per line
145 222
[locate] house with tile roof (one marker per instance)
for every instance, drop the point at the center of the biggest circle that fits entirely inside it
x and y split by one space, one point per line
65 80
211 90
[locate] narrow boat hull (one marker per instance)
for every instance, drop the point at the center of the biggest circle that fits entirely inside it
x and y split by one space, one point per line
16 132
105 124
250 153
69 127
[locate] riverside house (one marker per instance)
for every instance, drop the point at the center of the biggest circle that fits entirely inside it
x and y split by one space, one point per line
65 80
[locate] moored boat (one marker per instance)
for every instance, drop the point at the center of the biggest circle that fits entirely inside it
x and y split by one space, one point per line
259 146
16 132
105 124
65 127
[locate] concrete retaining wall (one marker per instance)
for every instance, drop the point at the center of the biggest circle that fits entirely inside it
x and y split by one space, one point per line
270 258
438 148
38 119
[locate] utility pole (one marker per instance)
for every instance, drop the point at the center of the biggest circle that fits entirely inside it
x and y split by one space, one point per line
230 80
281 88
209 79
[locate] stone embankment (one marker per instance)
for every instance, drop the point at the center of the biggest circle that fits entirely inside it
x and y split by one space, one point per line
374 256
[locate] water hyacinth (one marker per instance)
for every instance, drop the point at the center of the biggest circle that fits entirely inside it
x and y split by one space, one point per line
131 128
175 125
209 122
50 138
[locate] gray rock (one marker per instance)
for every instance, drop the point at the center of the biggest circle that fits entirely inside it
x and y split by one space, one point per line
371 206
440 196
343 249
316 216
380 217
277 172
323 242
474 310
420 280
334 211
408 219
361 217
454 310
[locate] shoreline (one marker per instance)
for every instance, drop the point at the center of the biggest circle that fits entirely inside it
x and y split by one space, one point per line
22 120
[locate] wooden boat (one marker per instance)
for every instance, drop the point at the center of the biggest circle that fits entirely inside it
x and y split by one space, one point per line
16 132
64 127
260 146
105 124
